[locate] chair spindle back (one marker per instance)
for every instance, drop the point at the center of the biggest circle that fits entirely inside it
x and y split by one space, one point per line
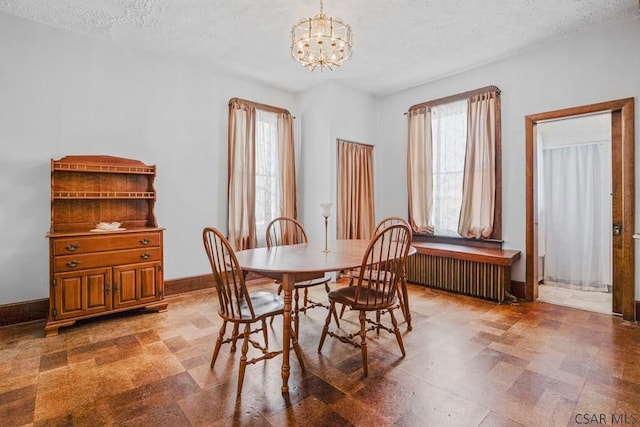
390 220
285 231
383 265
229 279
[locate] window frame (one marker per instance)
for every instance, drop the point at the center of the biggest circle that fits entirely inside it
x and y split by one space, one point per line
496 236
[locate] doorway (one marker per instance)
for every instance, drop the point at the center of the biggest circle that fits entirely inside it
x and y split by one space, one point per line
622 200
574 212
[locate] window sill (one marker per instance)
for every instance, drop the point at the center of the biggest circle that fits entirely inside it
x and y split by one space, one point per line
479 243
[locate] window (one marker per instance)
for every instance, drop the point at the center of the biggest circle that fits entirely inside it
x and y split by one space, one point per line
267 172
453 162
262 179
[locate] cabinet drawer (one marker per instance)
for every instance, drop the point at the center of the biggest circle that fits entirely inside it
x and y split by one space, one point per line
105 259
87 244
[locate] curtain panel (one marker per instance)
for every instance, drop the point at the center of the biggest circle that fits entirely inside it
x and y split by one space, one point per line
241 175
419 171
479 182
355 191
287 160
242 170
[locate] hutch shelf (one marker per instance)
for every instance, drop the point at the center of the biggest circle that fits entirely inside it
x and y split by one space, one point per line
95 272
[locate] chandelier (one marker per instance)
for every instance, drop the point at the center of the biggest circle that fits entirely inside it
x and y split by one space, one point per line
321 41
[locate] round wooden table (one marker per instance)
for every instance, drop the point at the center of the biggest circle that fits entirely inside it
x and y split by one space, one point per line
296 263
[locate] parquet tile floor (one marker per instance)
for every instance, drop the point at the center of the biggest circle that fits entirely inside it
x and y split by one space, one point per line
469 363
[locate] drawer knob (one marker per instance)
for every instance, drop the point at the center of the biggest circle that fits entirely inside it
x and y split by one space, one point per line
72 247
145 256
145 241
73 264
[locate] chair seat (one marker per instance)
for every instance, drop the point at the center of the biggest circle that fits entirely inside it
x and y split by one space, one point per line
347 296
265 304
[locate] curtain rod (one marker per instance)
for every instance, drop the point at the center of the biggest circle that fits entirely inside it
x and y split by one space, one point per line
260 106
352 142
457 97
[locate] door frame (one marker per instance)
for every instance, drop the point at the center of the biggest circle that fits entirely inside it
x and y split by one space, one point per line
623 209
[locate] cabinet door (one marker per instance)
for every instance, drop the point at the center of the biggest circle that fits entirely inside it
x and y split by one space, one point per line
80 293
136 284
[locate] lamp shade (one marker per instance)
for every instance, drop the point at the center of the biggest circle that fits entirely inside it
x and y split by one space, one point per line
326 209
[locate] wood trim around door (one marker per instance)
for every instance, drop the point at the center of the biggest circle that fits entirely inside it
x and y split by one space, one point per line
622 117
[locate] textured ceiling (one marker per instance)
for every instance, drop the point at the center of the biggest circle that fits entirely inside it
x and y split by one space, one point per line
397 43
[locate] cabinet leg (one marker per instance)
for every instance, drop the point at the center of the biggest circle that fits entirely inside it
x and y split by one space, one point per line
51 328
160 306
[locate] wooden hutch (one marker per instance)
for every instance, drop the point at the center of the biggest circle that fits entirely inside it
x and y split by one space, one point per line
95 272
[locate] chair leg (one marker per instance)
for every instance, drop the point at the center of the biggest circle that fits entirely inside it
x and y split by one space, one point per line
394 322
216 349
342 310
401 300
279 292
234 337
296 348
363 343
296 313
335 316
378 322
243 358
306 297
332 309
335 312
344 306
405 301
264 334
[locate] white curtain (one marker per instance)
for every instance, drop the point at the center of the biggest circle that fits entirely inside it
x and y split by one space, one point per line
268 189
576 216
449 133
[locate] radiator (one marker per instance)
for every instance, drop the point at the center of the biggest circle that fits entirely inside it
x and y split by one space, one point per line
478 279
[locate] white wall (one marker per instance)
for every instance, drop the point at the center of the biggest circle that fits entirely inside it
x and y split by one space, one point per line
598 67
329 112
63 93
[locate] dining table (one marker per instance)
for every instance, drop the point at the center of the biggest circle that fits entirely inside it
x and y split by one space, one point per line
295 263
290 264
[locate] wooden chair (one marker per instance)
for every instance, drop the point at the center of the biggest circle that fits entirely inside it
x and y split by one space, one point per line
402 289
288 231
375 289
238 306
